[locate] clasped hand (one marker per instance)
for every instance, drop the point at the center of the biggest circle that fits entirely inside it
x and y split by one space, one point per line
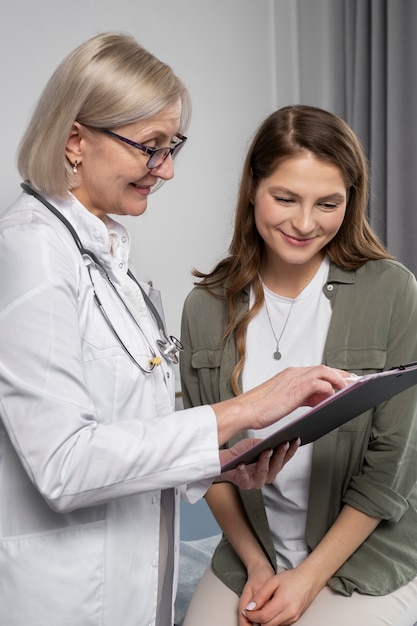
277 600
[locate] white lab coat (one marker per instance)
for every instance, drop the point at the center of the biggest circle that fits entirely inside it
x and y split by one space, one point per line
84 455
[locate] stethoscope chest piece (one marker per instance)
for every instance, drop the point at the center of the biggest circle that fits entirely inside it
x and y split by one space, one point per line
169 346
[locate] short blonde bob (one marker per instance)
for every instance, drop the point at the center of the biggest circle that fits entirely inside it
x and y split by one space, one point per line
108 81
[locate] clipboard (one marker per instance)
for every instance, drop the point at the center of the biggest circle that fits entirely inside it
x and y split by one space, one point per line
362 394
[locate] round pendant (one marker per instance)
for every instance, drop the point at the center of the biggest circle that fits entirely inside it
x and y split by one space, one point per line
277 355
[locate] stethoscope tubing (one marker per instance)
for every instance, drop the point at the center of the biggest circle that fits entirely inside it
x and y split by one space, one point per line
168 345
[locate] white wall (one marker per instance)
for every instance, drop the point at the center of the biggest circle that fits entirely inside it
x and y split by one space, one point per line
221 49
305 56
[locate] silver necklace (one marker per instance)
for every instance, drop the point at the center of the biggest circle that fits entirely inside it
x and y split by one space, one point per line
277 354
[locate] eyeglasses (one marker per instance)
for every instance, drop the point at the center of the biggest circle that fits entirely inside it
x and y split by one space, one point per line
157 155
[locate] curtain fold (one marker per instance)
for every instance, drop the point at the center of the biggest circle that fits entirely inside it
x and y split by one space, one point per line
402 130
365 87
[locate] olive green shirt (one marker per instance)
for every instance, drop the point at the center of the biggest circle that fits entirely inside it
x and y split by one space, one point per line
370 462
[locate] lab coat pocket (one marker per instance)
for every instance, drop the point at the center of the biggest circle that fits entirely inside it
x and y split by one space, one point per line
109 329
53 578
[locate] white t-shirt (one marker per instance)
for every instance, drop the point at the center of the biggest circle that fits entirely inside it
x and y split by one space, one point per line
302 343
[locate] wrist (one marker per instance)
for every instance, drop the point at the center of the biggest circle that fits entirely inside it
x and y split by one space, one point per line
233 416
316 577
257 562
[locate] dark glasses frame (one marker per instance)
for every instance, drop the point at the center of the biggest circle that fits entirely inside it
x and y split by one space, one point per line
157 155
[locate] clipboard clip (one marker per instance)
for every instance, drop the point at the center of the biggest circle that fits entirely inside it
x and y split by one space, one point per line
404 367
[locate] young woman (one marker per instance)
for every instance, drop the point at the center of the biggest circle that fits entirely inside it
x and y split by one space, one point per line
334 538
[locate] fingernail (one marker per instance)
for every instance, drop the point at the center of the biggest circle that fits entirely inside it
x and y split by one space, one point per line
270 453
241 467
251 606
286 446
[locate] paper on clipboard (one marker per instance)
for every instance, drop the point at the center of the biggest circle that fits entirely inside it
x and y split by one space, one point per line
362 394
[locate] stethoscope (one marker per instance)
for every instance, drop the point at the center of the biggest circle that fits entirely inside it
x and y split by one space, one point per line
168 346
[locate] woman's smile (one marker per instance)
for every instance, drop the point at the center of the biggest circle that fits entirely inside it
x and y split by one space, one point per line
299 208
297 241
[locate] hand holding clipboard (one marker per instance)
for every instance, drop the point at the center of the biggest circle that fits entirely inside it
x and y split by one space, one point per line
361 395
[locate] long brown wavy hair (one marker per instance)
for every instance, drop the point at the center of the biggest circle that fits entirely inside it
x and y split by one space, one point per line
284 134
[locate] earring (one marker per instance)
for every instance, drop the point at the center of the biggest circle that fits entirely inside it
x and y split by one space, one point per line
75 167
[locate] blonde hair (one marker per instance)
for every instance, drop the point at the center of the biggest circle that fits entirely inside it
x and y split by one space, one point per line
283 135
108 81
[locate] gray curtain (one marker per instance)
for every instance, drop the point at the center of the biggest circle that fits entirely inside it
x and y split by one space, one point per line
358 58
380 93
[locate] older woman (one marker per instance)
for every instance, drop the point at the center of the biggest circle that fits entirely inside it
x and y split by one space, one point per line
91 453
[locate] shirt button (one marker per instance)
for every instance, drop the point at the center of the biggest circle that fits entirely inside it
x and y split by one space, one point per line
97 234
154 563
124 239
121 265
330 287
168 375
154 499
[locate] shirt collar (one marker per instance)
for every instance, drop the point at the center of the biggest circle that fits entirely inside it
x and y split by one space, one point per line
340 275
108 240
